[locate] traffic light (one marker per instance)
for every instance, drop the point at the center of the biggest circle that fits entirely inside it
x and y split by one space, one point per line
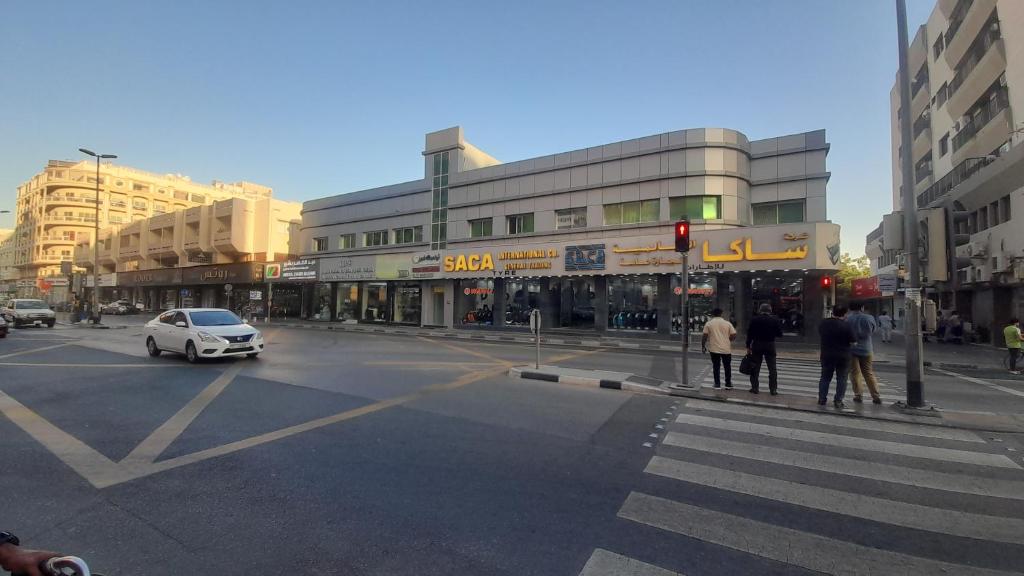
826 281
683 236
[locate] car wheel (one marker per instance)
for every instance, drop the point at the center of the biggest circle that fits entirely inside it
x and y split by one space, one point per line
51 323
151 347
252 355
191 353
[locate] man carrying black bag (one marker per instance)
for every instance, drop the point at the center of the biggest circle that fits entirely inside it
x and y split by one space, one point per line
761 334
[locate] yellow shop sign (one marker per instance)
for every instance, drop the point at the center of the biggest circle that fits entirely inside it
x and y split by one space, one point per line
468 262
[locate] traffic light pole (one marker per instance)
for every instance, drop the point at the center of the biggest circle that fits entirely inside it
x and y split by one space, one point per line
684 324
912 329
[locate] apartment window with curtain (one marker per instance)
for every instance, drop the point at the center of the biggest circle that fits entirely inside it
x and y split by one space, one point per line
375 238
695 207
519 224
632 212
570 218
408 235
480 228
788 212
346 241
320 244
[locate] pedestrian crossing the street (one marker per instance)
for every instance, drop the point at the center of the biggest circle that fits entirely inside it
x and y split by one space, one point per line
798 378
757 482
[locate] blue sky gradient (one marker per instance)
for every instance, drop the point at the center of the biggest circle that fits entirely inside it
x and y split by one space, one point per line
321 98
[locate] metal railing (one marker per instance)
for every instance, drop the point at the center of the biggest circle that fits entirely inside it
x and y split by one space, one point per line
71 198
958 175
875 234
985 114
922 123
970 61
956 18
922 173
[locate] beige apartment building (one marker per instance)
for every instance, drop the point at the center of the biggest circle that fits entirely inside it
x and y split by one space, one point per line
55 210
967 100
188 257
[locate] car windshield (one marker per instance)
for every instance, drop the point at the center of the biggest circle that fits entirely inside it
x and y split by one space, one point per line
30 305
214 318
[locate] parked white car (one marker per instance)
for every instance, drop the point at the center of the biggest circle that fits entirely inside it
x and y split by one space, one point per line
202 333
28 312
3 327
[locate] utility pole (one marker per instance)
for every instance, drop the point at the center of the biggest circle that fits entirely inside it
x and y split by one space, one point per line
914 361
96 236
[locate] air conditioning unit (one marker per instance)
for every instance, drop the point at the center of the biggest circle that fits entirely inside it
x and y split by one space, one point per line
1001 264
1018 268
978 249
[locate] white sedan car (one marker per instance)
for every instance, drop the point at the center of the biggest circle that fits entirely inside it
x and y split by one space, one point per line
202 333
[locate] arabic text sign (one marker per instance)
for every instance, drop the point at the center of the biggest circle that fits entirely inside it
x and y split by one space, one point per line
865 287
348 268
887 284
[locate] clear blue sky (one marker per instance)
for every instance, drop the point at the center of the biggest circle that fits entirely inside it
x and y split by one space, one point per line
320 98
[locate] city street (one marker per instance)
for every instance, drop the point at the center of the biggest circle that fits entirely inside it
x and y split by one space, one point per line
354 453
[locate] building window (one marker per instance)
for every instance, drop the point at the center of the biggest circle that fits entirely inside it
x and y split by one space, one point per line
695 208
993 210
944 145
520 224
983 218
320 244
941 95
346 241
139 187
1005 201
778 212
480 228
938 46
632 212
375 238
439 201
408 235
570 218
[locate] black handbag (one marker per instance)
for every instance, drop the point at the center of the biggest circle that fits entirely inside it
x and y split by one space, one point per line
747 365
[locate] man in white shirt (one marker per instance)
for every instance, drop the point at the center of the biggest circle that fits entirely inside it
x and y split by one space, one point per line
717 339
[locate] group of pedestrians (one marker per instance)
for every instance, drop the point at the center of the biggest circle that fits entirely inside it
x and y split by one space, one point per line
762 332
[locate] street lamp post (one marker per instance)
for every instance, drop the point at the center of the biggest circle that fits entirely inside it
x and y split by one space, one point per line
96 235
915 364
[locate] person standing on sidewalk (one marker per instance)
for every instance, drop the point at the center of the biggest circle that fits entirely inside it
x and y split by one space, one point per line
1011 334
836 338
761 334
885 326
717 339
863 326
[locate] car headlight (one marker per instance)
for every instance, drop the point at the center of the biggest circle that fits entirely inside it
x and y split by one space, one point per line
207 337
257 336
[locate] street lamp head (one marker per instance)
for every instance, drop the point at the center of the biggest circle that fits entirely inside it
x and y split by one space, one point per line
87 151
108 155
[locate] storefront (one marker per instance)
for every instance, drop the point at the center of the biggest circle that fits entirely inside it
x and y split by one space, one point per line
238 287
381 289
155 289
290 287
633 283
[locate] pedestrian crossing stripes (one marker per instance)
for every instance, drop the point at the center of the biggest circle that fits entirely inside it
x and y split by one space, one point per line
970 493
798 379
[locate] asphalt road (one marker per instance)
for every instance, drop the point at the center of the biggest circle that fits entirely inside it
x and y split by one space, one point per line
356 454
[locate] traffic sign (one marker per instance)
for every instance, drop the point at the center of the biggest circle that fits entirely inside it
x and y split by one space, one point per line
228 288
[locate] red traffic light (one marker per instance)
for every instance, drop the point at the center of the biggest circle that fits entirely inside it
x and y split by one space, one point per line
683 236
826 282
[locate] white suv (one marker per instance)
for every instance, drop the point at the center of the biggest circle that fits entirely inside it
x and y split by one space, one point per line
23 312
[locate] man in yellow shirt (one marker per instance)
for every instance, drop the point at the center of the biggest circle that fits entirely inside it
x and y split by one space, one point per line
1011 334
717 339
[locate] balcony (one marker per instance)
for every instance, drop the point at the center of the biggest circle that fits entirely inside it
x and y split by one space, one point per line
71 200
49 257
874 234
979 117
965 23
987 137
958 175
55 239
976 76
922 138
55 219
118 205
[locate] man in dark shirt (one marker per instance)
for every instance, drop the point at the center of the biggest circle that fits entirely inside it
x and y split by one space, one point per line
836 338
761 334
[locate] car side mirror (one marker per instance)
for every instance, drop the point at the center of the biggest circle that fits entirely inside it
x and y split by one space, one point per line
181 324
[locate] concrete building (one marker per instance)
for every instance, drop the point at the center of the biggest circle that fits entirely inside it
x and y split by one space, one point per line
188 257
584 235
967 97
55 210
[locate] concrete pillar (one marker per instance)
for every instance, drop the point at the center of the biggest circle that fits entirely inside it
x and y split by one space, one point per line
565 310
743 305
722 295
547 305
498 310
450 298
601 303
666 303
814 306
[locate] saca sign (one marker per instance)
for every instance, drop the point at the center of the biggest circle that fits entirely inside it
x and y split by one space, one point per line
469 262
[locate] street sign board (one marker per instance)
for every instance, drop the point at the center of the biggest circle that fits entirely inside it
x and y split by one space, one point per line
534 321
887 284
228 288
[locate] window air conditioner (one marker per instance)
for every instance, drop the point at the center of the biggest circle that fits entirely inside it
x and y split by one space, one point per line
978 249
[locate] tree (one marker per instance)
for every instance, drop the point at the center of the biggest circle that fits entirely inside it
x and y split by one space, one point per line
850 268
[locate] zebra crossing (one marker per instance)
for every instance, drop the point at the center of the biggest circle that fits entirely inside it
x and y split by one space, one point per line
797 378
889 497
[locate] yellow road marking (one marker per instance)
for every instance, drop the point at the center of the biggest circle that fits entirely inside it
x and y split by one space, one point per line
43 349
89 463
417 363
476 353
572 355
161 438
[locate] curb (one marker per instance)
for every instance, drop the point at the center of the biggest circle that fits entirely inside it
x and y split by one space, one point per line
526 373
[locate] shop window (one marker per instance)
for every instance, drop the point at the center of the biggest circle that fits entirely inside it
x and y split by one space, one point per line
632 212
633 303
408 235
570 218
320 244
521 296
778 213
785 295
480 228
477 300
375 301
520 224
348 302
695 208
407 303
375 238
346 241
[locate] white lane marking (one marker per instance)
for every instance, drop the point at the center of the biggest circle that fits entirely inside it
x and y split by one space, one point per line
982 382
605 563
845 441
928 518
813 391
33 350
849 467
810 551
840 421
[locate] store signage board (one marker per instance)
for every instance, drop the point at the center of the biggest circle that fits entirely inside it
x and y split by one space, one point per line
305 270
887 284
